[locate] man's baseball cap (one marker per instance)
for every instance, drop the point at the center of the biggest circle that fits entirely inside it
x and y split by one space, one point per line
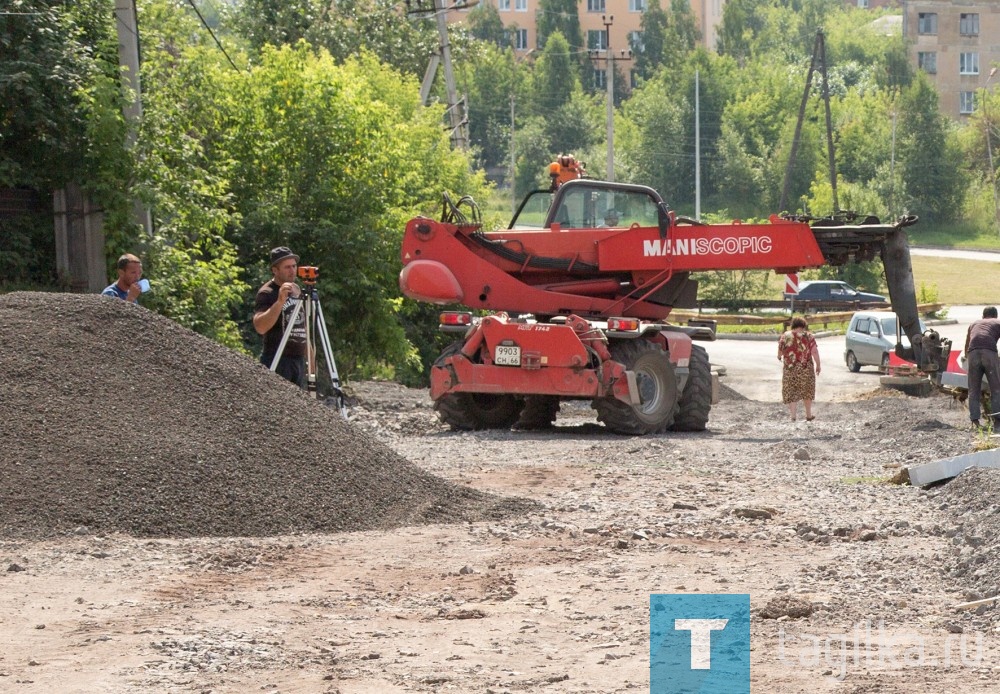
280 253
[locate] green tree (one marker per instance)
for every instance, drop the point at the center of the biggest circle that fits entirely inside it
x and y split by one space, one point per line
184 169
60 121
864 134
757 127
344 28
486 25
276 22
332 160
652 142
555 76
562 17
739 28
733 287
718 81
43 67
649 53
929 156
681 34
490 76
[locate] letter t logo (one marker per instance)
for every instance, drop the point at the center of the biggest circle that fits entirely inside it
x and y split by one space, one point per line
701 639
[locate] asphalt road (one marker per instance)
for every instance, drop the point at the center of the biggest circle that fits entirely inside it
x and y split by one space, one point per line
988 256
752 366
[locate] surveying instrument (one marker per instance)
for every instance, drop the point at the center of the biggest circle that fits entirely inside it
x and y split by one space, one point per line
315 327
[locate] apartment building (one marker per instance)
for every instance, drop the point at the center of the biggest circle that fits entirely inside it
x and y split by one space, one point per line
604 23
956 44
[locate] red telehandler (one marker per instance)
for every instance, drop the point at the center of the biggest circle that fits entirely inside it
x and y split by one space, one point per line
579 288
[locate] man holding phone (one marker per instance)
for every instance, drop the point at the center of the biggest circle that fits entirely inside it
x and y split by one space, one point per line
130 283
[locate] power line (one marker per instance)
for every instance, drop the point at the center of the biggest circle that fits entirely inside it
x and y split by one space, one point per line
212 33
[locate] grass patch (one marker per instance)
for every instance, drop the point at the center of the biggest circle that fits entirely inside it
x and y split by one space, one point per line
749 329
958 281
955 235
984 437
814 325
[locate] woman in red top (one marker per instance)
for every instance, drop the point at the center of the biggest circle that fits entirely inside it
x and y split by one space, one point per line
797 352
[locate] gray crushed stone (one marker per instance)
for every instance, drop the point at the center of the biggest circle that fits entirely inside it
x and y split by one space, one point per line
973 500
116 419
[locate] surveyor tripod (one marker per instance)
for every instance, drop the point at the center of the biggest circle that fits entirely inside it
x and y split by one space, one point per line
315 328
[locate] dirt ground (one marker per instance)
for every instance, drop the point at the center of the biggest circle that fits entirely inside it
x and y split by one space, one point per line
853 581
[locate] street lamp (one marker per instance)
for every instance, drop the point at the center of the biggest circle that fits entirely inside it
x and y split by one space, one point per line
610 176
989 148
513 91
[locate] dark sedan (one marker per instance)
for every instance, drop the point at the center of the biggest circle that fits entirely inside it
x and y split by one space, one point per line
834 291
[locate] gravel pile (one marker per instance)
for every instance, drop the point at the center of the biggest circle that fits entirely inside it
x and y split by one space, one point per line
973 499
115 419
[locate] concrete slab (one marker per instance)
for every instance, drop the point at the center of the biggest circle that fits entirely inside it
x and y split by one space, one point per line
952 467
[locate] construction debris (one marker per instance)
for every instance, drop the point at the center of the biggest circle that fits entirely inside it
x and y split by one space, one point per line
947 468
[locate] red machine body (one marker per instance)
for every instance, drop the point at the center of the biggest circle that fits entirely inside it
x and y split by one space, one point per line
557 276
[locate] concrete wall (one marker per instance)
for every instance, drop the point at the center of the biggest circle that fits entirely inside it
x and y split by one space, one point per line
948 43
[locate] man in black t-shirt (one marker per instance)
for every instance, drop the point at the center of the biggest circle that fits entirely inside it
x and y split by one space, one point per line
273 309
981 356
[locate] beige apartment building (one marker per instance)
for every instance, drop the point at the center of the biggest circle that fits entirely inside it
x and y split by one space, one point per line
957 44
603 22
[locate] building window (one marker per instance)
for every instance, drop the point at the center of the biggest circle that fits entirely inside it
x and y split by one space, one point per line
968 24
926 22
927 61
597 39
521 39
635 41
600 79
636 5
863 4
503 5
595 5
966 102
521 5
968 64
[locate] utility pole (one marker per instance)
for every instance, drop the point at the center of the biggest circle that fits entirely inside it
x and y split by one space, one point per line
128 57
697 148
456 107
818 59
609 58
611 97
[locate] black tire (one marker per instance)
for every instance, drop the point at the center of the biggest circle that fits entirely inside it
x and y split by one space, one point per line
657 391
852 362
696 401
539 412
473 411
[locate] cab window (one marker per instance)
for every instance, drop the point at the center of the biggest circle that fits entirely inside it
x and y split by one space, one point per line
585 207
